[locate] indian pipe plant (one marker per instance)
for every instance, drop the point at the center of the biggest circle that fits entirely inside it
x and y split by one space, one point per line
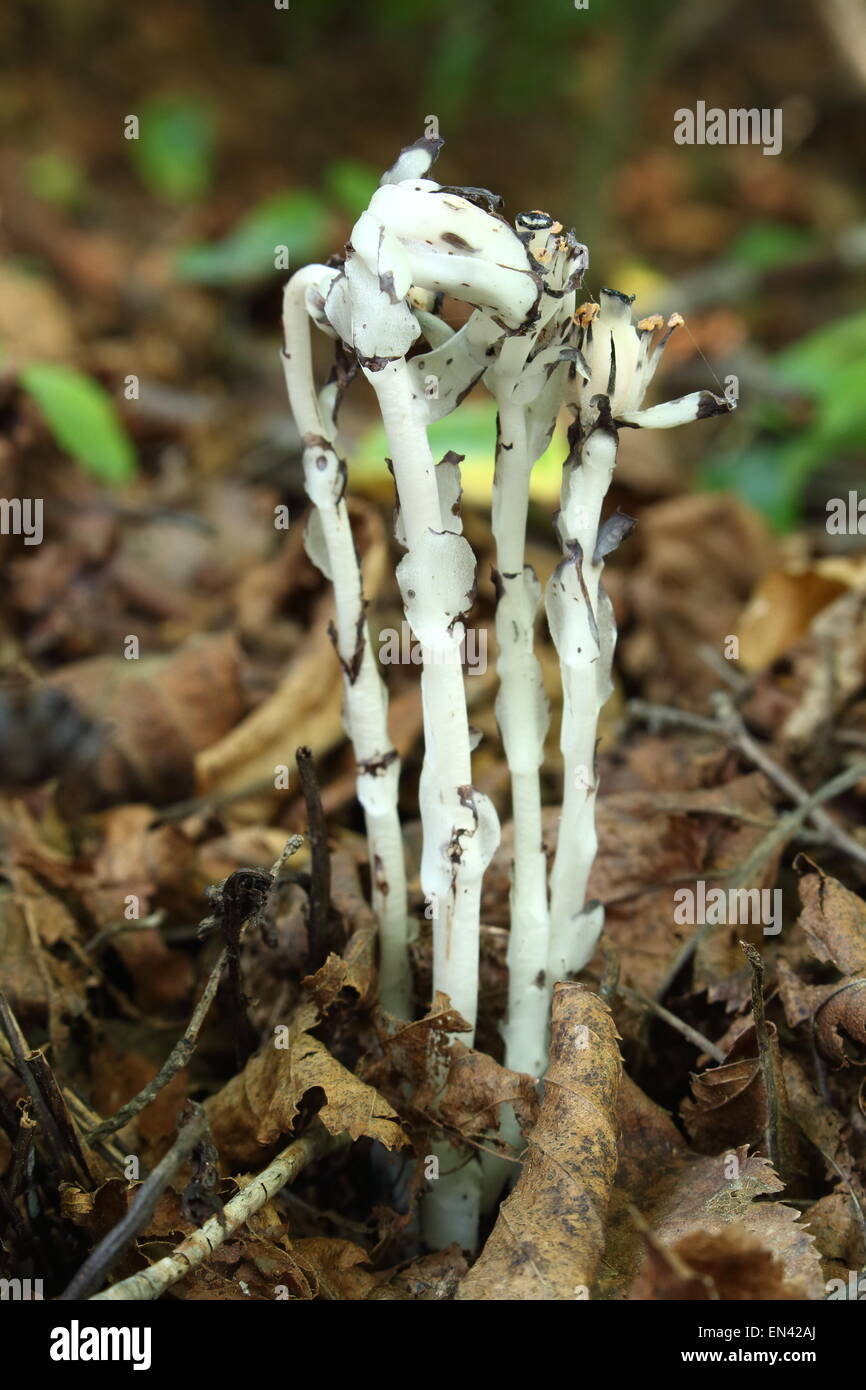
537 349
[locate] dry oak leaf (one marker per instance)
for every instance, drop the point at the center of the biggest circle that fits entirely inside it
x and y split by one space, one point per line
260 1104
677 1193
549 1235
728 1266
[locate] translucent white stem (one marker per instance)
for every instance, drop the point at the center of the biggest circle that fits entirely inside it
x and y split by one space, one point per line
460 828
523 718
366 701
584 637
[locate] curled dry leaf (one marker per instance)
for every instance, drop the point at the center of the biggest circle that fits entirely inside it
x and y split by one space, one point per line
549 1235
729 1104
260 1104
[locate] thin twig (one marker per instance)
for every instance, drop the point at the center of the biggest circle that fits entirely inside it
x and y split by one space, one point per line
55 1124
320 867
101 1261
765 1057
729 725
777 837
177 1058
700 1042
153 1281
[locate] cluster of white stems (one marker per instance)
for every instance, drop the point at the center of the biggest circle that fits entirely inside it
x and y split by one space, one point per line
537 349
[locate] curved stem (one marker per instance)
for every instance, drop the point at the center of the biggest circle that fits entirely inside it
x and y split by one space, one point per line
366 701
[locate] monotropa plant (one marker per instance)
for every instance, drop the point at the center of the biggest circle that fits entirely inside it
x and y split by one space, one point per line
537 350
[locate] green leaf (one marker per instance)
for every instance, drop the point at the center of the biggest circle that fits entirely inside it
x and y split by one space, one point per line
769 477
350 185
813 363
82 419
766 245
174 152
248 253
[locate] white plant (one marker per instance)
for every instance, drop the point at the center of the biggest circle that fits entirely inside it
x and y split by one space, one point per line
416 242
331 547
614 363
527 379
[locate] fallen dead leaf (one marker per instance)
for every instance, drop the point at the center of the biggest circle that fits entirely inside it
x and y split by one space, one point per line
549 1235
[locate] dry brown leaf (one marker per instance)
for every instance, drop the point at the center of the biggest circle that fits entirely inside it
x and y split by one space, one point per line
160 713
833 919
429 1278
823 1126
727 1265
834 925
729 1104
779 613
260 1104
650 844
549 1235
677 1193
352 974
342 1269
307 703
838 1233
699 558
415 1055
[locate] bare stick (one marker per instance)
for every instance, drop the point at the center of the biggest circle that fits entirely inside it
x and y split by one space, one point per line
54 1120
729 726
154 1281
177 1058
765 1058
101 1261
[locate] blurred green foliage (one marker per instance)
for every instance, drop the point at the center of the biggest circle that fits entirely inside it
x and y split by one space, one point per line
174 152
824 369
300 221
771 245
57 178
82 418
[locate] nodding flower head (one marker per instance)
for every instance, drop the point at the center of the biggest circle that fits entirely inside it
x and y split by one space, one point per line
613 356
